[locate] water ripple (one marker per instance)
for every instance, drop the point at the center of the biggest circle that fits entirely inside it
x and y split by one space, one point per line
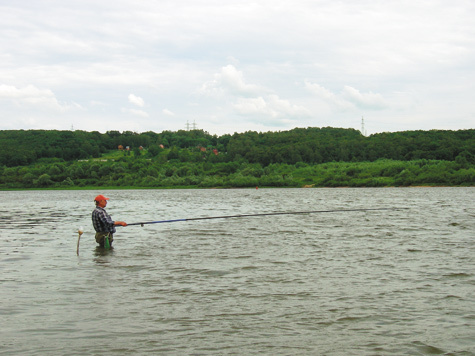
360 283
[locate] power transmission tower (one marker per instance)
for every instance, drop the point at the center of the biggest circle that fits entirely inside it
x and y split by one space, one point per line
363 131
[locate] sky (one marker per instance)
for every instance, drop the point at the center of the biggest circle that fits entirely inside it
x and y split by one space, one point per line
228 66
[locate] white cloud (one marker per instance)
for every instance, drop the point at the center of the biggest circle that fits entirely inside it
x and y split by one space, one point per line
348 99
33 97
251 100
270 107
136 112
328 97
233 80
252 106
409 64
365 100
230 81
136 100
168 112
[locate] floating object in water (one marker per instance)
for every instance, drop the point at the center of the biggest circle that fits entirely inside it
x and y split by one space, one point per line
80 232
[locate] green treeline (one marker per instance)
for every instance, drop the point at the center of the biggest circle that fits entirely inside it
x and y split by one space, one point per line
320 157
310 145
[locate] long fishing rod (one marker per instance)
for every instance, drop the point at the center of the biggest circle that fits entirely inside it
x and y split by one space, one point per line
260 214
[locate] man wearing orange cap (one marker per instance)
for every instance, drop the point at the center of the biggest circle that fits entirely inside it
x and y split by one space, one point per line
102 222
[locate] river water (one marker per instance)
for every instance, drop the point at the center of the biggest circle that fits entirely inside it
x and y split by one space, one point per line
379 282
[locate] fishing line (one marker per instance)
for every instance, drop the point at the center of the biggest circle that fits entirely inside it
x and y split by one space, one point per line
259 214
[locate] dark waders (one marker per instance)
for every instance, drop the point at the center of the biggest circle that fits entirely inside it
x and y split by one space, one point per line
104 239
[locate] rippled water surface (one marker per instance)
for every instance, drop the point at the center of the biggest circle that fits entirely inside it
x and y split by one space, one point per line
389 282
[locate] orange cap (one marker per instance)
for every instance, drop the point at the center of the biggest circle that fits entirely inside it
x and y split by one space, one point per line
100 197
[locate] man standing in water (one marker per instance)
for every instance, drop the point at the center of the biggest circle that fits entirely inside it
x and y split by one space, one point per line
102 222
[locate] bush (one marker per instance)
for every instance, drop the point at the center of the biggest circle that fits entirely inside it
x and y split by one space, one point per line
43 180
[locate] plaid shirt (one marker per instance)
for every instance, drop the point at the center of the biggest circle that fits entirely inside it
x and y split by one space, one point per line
102 221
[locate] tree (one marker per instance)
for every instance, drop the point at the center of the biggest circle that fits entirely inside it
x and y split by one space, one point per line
44 180
174 153
137 152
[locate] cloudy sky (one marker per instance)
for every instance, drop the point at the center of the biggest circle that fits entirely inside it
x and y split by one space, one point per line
232 66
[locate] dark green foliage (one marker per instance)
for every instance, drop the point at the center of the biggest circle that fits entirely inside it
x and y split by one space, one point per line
311 145
318 157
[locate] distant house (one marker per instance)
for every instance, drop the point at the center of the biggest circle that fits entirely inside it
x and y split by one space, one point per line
140 148
120 147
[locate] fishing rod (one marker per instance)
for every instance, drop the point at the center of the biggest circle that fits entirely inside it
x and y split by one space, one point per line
259 214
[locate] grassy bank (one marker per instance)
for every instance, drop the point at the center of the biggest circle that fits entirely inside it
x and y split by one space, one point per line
134 173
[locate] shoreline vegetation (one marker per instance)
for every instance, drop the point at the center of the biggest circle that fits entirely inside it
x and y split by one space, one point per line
298 158
102 188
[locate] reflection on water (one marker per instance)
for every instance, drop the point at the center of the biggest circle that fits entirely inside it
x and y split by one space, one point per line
396 282
102 255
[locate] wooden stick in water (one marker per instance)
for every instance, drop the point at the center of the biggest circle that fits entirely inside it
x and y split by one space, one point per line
80 232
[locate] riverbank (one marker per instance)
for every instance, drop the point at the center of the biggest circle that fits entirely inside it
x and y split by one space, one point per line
143 174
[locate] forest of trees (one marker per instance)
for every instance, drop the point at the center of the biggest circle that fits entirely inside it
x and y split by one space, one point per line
300 157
